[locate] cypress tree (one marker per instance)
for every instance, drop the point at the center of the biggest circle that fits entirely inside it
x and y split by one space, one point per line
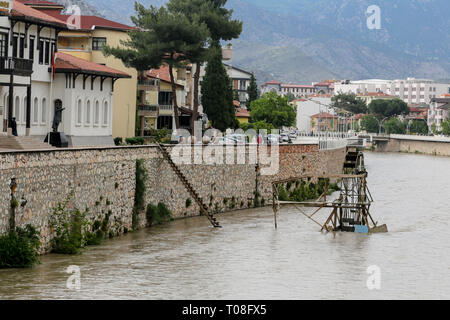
252 91
217 92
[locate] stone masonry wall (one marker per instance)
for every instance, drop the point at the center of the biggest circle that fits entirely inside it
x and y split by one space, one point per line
103 179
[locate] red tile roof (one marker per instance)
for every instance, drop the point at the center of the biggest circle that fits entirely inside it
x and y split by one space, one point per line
242 113
89 22
22 10
161 73
65 62
323 115
273 82
288 85
40 2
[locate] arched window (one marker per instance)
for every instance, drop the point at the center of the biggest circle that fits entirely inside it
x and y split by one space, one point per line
79 112
88 112
36 110
105 113
96 113
17 109
44 110
24 115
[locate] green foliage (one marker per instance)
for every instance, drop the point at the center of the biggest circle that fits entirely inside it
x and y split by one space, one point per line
188 202
370 124
14 203
161 135
418 126
388 107
19 248
118 141
394 126
158 214
69 227
135 141
303 190
446 127
349 102
273 109
252 92
141 177
434 128
259 125
217 93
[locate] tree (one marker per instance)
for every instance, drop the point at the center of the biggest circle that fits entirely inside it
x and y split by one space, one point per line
217 93
236 95
290 97
370 124
418 126
446 127
220 25
252 91
388 107
162 38
273 109
394 126
349 102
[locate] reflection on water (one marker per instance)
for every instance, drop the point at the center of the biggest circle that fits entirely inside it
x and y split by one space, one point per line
249 259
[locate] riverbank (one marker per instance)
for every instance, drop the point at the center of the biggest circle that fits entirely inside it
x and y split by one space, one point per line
103 182
437 146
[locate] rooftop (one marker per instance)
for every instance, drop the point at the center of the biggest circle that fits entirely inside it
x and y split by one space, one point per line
323 115
67 63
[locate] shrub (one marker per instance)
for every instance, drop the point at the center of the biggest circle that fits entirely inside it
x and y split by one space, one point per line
141 177
19 248
158 214
135 141
188 202
118 141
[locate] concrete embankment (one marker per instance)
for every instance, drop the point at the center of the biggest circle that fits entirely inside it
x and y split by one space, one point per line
439 146
104 180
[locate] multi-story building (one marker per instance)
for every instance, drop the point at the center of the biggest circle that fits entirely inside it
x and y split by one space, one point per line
438 112
33 82
410 90
368 97
84 38
286 88
155 109
241 81
324 122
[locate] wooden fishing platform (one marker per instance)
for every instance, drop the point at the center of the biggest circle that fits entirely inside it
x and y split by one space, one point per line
350 212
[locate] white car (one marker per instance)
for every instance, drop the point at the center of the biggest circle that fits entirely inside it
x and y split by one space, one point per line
273 139
226 141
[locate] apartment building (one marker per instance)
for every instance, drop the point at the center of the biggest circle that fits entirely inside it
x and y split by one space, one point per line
438 112
410 90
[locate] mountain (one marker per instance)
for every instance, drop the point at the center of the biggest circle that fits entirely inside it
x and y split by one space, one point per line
309 40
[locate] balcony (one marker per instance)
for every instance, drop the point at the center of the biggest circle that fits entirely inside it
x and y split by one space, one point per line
148 85
165 110
17 66
147 110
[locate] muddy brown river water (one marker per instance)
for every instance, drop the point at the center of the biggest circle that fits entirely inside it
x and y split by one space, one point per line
249 259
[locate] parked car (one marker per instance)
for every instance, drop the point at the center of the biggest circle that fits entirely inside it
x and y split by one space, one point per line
285 138
239 138
226 141
273 138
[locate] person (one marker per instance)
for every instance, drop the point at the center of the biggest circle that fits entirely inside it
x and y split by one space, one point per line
14 126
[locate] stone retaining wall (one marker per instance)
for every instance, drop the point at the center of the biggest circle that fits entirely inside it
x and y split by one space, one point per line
103 179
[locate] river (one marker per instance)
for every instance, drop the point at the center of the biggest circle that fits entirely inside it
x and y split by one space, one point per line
249 259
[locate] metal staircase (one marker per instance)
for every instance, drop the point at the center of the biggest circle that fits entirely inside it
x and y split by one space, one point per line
189 187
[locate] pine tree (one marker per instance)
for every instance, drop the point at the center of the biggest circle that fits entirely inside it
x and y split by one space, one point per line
217 92
252 91
162 38
220 25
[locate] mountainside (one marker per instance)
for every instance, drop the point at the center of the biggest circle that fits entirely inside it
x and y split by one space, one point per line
309 40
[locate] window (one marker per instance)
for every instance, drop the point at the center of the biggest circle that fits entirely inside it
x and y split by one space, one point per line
165 98
14 53
88 113
47 52
105 113
36 110
3 44
44 111
79 112
24 115
41 52
22 47
98 43
31 49
17 109
96 113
